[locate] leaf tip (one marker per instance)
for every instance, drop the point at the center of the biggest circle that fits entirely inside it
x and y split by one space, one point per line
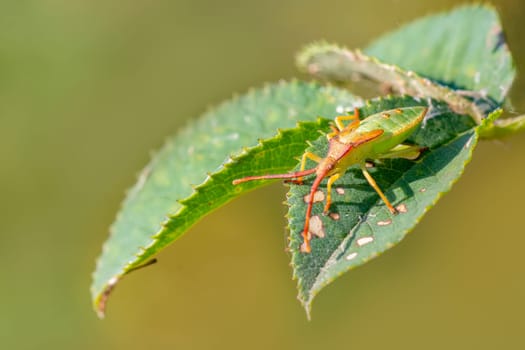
308 309
100 300
307 305
304 58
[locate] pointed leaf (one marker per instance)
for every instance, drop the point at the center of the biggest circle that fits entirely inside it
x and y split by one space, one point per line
162 205
501 128
333 63
464 48
359 226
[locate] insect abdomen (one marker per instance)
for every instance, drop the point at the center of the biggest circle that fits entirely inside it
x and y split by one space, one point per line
397 125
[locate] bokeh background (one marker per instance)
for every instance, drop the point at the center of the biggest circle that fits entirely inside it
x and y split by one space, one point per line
89 88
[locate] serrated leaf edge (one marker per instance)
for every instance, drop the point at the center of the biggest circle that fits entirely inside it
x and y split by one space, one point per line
306 301
419 86
100 299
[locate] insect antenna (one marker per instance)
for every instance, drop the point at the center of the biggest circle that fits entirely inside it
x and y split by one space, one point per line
275 176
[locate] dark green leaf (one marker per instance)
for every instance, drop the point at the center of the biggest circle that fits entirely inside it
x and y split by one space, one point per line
359 226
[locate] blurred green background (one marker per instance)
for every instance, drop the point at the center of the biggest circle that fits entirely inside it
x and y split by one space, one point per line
89 88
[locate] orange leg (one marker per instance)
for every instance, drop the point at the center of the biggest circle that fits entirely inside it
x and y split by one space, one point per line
353 117
373 183
311 156
334 132
307 236
339 126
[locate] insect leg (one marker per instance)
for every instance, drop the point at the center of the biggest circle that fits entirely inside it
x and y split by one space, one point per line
373 183
334 132
403 151
305 156
307 236
353 117
311 156
331 180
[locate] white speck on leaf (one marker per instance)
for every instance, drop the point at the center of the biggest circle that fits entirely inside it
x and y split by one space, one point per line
351 256
364 240
467 145
384 223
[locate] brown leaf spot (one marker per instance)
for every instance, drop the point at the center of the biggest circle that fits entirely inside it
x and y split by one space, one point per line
316 226
318 197
402 208
423 190
335 216
340 190
102 301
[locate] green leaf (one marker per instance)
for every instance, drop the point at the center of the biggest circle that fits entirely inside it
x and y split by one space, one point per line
164 204
359 226
464 48
333 63
500 128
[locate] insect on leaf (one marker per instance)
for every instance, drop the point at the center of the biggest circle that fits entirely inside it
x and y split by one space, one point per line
460 57
163 204
359 226
334 63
